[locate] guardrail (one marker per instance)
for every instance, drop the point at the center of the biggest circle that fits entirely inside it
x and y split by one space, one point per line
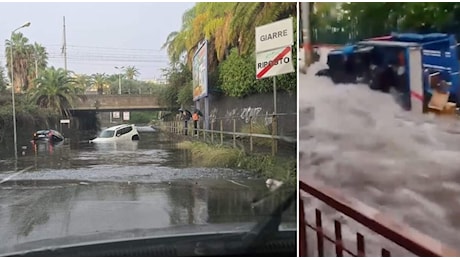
411 240
216 132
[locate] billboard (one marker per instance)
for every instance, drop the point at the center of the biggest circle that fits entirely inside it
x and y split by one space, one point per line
200 72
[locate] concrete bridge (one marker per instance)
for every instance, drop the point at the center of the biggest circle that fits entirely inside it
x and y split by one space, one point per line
118 102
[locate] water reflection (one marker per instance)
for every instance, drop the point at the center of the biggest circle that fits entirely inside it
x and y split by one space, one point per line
153 149
42 147
117 146
45 210
76 188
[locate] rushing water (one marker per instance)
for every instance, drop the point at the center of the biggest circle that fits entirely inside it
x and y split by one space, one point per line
361 142
77 191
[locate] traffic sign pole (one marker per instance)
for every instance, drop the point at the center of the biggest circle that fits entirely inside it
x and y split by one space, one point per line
274 95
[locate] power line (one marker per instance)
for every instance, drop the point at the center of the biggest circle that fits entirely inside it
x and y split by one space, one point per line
113 48
97 48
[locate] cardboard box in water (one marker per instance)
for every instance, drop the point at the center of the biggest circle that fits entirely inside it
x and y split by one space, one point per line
450 108
438 100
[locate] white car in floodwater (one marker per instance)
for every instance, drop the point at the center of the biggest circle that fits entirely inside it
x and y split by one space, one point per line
117 133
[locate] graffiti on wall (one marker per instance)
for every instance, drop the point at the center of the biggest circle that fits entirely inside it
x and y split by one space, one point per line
250 112
213 115
244 114
268 119
230 114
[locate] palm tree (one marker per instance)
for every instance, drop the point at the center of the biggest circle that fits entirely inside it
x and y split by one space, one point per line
55 90
131 72
39 60
99 80
82 81
21 56
249 15
3 79
223 25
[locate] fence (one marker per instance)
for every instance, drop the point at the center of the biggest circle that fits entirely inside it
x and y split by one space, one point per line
404 240
257 128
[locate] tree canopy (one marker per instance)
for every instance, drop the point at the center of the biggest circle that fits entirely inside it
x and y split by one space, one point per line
347 22
229 29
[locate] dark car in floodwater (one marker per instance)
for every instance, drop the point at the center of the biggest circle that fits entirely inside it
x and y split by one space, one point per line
48 135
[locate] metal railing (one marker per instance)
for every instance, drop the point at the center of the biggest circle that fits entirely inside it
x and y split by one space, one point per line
399 235
217 133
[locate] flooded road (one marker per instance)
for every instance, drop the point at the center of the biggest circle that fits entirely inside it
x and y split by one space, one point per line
79 192
360 142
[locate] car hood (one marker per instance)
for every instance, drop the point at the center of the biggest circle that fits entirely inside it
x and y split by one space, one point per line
134 234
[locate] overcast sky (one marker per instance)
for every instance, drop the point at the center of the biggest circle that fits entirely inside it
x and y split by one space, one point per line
99 36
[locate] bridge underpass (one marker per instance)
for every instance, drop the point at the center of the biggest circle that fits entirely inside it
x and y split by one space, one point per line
92 107
118 103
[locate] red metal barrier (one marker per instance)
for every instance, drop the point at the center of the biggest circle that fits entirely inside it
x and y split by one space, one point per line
404 236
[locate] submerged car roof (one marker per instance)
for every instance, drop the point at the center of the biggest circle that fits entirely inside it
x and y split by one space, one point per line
116 127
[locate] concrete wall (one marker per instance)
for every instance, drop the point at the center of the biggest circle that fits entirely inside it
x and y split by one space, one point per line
118 102
258 106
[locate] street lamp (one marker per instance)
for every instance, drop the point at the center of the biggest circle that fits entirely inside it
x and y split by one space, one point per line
12 89
119 78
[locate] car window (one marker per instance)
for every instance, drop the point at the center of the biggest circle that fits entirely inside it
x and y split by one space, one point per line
124 130
107 134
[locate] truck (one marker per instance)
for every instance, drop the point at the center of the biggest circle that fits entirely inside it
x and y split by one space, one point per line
416 66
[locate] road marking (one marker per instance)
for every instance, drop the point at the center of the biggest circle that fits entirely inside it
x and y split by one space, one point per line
242 185
14 174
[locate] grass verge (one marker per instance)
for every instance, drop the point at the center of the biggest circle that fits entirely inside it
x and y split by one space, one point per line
206 155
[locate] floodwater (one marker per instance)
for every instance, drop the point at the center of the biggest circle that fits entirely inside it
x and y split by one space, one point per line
360 142
80 192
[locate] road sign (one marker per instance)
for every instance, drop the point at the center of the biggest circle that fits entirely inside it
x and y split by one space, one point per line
200 72
274 62
126 116
274 35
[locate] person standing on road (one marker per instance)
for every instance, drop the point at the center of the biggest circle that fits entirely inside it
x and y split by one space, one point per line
195 118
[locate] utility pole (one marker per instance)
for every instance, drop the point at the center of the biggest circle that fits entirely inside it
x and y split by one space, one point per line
119 78
305 8
64 47
36 64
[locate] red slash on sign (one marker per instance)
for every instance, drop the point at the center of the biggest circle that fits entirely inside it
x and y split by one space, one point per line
273 62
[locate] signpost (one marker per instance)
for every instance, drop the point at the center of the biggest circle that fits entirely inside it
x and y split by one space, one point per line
274 57
274 62
274 51
126 116
64 121
274 35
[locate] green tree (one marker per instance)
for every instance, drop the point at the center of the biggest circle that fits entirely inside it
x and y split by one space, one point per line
224 26
22 50
131 72
99 80
3 79
55 91
39 61
349 22
179 76
82 81
249 15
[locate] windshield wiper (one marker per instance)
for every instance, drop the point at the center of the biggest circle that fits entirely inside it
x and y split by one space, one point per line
268 227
